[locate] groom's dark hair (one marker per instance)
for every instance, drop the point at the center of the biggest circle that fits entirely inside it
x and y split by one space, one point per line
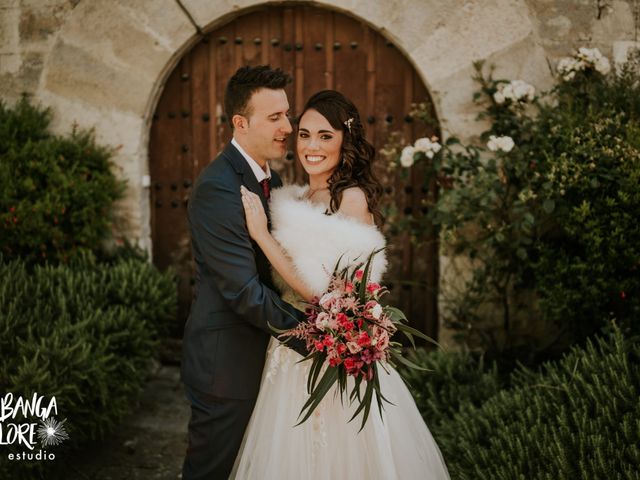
245 82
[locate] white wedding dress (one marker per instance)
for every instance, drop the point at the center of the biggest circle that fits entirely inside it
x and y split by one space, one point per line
328 447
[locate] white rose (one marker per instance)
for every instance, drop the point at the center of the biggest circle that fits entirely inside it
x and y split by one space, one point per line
505 143
499 97
522 90
422 145
603 66
588 54
376 312
565 65
492 144
406 158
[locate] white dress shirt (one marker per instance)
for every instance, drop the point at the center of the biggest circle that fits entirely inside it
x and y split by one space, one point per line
255 168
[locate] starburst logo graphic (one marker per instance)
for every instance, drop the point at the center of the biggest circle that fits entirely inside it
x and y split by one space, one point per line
52 432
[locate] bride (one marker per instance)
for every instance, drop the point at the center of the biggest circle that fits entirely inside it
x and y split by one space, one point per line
337 214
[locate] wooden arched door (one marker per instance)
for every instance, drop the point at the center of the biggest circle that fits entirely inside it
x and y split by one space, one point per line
321 49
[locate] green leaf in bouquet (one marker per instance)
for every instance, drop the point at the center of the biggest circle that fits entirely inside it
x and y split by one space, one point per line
355 393
406 329
365 405
379 396
342 383
314 372
395 314
365 277
398 356
328 379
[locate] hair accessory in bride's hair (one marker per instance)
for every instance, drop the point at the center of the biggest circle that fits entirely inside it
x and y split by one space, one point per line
348 123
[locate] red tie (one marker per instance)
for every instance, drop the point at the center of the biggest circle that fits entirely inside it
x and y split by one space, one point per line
266 188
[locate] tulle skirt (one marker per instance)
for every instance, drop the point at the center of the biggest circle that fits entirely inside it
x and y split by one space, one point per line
396 446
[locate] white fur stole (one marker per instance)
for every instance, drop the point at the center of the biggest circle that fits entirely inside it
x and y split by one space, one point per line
315 241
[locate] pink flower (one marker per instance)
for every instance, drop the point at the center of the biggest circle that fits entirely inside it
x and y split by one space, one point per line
328 299
348 288
322 320
380 338
350 303
341 348
359 274
354 347
319 346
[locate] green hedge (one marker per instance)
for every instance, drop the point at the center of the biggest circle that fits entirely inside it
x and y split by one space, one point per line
577 418
56 193
84 333
452 381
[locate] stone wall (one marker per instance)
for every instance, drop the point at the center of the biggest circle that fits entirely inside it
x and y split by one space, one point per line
102 63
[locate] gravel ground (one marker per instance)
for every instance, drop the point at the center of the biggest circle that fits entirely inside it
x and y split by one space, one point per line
150 443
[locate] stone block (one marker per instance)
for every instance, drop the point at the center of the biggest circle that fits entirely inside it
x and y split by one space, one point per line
138 40
622 49
9 31
79 75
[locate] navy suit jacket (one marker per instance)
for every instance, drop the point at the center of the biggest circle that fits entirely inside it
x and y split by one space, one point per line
227 333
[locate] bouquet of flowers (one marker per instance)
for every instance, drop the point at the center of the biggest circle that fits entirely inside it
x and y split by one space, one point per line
350 334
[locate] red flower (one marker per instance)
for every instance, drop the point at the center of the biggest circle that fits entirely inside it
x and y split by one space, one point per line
342 318
623 295
333 362
341 348
364 340
360 322
359 274
348 288
328 341
319 346
373 287
12 209
349 363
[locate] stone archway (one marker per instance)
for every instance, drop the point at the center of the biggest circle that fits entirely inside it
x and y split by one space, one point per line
320 48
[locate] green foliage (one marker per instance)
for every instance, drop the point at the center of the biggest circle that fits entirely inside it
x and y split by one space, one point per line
452 381
555 215
56 193
578 418
84 333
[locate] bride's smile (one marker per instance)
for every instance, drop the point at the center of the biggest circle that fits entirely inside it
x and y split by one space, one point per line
319 147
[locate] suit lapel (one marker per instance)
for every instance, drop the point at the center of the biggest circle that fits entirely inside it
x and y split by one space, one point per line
249 180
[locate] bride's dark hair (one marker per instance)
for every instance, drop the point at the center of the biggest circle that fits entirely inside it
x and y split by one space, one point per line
355 167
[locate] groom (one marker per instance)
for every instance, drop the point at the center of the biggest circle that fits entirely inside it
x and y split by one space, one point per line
227 333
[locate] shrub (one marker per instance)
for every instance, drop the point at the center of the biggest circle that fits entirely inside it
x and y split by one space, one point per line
547 216
452 381
84 333
56 193
577 418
